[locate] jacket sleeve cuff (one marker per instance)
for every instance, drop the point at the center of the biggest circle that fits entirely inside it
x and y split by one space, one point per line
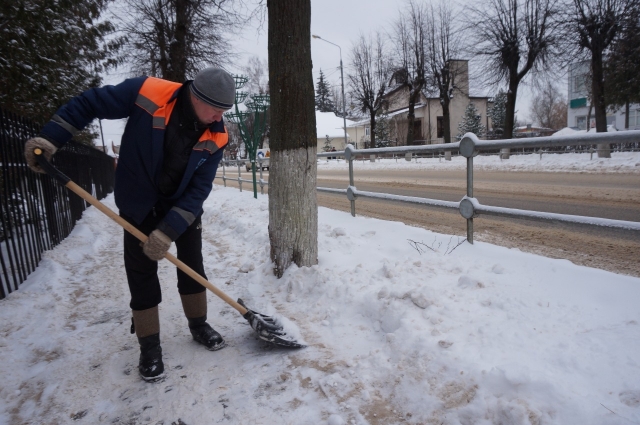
50 139
165 228
55 134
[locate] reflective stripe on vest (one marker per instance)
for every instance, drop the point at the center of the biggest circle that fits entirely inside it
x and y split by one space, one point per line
154 96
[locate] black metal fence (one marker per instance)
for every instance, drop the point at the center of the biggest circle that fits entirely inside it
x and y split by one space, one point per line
36 212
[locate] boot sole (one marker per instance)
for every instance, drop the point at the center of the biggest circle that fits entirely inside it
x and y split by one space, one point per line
153 378
217 347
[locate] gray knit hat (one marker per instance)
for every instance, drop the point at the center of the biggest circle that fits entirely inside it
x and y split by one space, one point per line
215 87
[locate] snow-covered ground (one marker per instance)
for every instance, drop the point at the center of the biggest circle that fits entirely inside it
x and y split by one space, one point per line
403 326
620 162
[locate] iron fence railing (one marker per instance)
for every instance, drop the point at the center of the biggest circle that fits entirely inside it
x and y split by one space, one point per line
36 213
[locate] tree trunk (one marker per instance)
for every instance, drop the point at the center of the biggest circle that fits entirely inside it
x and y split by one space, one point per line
509 119
372 129
411 115
293 207
626 115
446 121
178 46
599 104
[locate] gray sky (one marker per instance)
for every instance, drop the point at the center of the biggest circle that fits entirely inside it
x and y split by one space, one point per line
338 21
341 22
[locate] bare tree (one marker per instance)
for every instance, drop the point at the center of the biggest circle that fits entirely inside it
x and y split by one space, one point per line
174 39
410 39
549 107
369 78
293 207
596 24
515 37
444 45
257 71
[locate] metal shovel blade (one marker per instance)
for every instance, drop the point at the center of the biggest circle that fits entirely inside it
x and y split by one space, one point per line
269 329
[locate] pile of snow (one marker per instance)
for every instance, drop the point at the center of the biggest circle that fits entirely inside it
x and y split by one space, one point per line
568 131
404 326
620 162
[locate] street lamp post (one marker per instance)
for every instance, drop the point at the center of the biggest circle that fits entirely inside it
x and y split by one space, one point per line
344 108
344 119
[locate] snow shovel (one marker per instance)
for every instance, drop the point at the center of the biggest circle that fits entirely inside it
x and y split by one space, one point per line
267 327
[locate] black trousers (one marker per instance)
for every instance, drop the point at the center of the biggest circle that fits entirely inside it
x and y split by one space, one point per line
142 273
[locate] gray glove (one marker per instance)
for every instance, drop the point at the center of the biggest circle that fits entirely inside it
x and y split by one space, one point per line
47 147
156 245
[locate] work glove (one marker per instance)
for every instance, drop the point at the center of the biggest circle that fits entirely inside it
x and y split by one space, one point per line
156 245
47 147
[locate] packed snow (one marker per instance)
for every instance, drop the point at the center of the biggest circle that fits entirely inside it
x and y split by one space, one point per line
403 326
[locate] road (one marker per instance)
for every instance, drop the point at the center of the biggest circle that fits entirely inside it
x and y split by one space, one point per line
615 196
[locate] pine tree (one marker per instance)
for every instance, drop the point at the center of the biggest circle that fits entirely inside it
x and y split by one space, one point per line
383 130
327 144
498 112
471 122
324 101
50 51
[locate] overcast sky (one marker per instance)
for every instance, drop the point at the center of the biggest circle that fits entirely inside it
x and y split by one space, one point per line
340 22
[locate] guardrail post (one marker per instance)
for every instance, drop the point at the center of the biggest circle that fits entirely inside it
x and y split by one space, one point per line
239 177
467 149
224 176
470 195
349 156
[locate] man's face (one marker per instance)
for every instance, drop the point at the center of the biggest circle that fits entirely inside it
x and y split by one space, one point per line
206 113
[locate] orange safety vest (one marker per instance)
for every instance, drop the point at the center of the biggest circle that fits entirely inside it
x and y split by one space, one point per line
156 96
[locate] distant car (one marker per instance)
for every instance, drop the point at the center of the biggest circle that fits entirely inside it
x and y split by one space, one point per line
262 157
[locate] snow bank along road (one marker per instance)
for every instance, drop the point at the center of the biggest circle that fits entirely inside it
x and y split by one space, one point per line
608 195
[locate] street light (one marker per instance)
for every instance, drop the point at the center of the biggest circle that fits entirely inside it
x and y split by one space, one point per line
344 108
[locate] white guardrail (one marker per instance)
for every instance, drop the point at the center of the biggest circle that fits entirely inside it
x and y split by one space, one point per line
470 146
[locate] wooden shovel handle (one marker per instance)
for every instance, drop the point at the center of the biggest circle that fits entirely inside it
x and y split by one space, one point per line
134 231
138 234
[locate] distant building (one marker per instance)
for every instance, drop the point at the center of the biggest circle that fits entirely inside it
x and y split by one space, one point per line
578 113
331 126
532 131
429 123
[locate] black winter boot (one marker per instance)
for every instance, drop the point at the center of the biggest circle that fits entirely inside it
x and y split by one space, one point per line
146 325
195 308
151 367
203 333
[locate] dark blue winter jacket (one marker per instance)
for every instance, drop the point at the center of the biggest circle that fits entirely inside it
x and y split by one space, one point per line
148 103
